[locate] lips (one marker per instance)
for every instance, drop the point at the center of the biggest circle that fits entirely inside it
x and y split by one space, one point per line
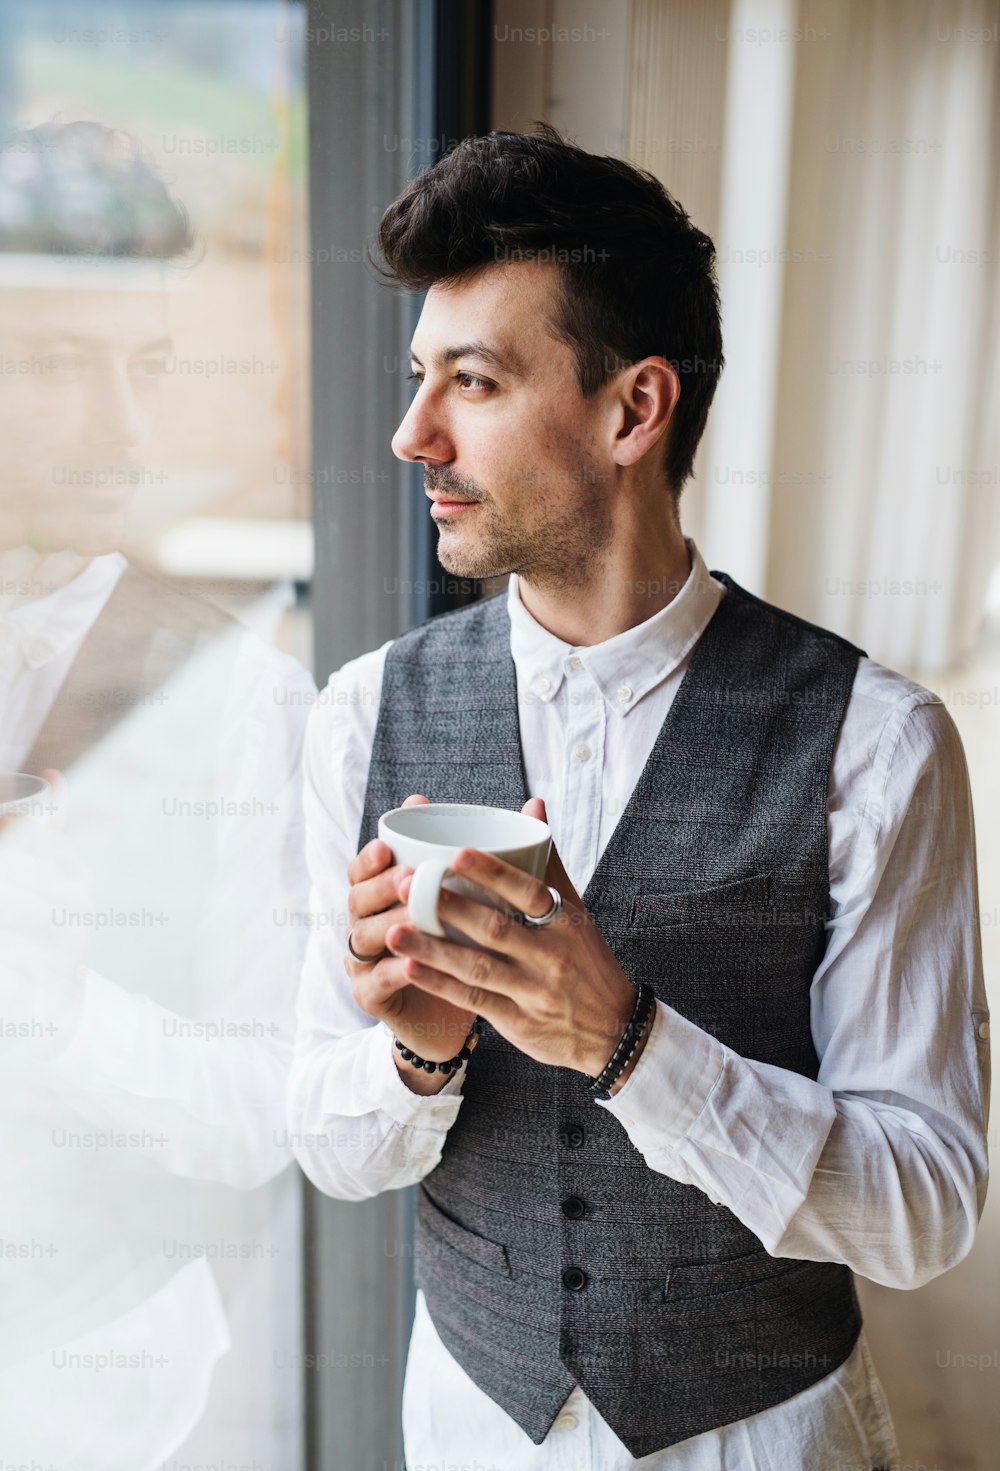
445 509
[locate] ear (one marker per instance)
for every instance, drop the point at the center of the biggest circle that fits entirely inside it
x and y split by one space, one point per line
647 397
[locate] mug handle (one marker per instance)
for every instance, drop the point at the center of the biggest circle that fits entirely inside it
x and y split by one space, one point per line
425 890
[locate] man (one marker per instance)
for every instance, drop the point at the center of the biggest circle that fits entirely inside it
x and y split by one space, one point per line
751 818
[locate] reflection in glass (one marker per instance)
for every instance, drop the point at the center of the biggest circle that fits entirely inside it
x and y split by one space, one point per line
152 906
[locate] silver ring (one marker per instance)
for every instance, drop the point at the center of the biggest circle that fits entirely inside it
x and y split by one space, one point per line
364 959
538 922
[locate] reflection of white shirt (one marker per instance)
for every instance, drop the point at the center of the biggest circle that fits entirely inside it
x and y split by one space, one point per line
188 1055
39 639
880 1163
124 1394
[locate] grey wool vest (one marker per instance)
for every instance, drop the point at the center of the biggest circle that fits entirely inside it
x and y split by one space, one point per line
548 1251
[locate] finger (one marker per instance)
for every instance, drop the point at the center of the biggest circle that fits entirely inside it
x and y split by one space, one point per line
520 890
366 943
480 973
373 858
492 1005
375 895
416 802
491 927
373 986
368 935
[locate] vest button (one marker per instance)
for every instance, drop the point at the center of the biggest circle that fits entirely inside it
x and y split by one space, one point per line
574 1279
572 1136
573 1207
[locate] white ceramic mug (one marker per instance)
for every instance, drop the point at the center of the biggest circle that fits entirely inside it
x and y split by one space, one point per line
22 795
428 837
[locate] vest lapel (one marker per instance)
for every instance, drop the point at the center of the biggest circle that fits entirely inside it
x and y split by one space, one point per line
144 632
460 739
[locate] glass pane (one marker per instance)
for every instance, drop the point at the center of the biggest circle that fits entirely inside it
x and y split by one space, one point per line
155 554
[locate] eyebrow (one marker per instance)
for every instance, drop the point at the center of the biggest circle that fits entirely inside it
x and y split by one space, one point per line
510 364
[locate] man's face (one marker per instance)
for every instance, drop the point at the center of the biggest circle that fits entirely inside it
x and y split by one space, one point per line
498 420
79 391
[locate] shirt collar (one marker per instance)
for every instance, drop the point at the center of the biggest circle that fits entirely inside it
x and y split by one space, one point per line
626 666
48 626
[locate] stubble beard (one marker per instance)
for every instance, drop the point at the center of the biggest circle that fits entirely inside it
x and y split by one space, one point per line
551 553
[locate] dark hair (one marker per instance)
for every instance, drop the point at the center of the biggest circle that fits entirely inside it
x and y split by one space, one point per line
638 278
84 189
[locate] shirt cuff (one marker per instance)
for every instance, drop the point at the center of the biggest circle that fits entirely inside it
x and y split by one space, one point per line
386 1091
670 1084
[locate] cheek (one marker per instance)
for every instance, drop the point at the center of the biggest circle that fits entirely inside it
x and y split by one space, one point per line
538 446
63 411
566 438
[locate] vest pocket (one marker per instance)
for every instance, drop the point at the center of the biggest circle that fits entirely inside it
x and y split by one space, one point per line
736 959
447 1231
753 1285
735 903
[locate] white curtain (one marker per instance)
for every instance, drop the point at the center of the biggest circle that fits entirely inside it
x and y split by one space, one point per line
884 523
872 484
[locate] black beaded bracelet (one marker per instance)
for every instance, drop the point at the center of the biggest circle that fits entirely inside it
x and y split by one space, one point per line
453 1063
622 1055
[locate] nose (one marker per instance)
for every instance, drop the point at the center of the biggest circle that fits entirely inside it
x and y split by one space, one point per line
422 435
116 418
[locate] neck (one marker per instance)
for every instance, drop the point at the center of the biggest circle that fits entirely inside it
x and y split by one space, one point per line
616 592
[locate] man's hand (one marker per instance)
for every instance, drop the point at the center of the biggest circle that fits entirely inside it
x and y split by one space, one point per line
558 993
433 1027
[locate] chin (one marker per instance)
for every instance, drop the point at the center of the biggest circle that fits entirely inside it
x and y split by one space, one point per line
86 539
472 562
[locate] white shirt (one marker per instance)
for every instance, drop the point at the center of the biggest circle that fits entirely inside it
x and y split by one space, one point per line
879 1163
41 636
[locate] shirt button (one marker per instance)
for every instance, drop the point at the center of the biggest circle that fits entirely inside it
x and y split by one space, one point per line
572 1136
573 1207
543 685
583 753
624 692
574 1279
566 1421
984 1030
576 662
